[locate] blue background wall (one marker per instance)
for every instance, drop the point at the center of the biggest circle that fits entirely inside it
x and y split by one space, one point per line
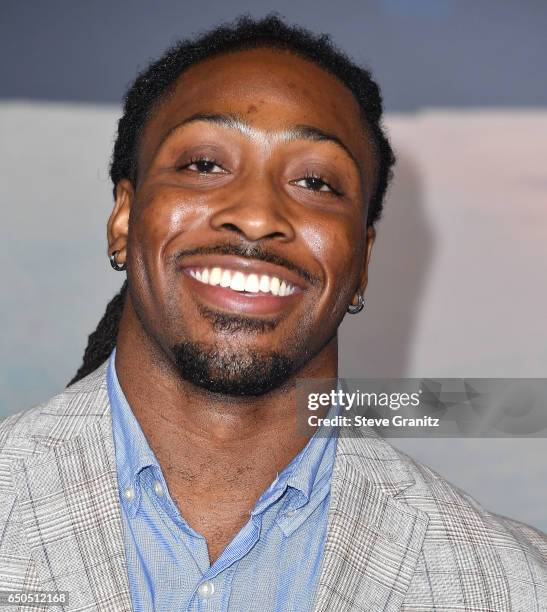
424 52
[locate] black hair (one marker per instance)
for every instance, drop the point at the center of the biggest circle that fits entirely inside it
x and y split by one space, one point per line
153 84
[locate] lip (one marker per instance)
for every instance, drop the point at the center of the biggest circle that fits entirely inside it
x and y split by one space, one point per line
228 300
246 265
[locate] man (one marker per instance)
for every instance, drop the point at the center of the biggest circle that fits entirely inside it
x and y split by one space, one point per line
249 171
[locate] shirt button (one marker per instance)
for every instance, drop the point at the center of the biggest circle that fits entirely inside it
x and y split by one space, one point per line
158 489
290 512
129 493
206 589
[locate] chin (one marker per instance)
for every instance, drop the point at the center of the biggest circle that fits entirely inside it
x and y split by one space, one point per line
236 372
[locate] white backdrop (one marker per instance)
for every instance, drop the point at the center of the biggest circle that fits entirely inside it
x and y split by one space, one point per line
457 283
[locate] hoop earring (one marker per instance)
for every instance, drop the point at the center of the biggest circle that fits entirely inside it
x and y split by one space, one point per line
360 305
115 265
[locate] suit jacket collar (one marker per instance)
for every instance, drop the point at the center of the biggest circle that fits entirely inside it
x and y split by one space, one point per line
373 539
69 504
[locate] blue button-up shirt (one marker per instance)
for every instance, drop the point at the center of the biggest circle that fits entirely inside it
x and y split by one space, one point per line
272 564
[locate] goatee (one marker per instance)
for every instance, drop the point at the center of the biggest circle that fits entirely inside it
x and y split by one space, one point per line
230 372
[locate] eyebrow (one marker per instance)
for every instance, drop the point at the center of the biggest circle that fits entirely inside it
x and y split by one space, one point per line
295 132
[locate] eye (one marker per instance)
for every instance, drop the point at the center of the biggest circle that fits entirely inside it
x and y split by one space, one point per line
315 182
203 165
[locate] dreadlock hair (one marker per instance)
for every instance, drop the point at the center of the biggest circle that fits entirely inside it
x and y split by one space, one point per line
154 83
103 340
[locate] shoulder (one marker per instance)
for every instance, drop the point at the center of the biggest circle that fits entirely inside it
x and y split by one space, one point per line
444 501
487 555
34 431
26 438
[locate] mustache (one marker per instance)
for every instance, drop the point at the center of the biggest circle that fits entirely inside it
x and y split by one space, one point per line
251 251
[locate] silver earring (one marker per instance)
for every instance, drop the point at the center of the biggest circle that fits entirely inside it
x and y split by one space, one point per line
118 267
360 305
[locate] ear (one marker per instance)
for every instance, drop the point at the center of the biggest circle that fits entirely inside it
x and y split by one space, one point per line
363 278
118 223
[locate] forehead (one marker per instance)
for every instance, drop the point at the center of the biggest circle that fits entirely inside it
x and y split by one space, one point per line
273 89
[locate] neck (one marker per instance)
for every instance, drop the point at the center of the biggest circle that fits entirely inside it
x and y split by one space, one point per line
191 427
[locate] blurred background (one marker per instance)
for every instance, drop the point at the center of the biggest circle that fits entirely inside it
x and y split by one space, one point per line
458 275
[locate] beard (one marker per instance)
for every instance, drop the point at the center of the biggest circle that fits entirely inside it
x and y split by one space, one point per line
232 372
244 372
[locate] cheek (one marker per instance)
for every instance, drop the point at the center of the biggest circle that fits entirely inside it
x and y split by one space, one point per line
162 214
336 245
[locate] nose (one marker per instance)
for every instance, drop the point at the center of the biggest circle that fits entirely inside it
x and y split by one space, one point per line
255 211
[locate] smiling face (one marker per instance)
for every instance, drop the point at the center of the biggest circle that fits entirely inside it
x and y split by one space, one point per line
245 237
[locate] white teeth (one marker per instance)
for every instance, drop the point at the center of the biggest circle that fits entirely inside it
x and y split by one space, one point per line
251 284
238 281
214 277
274 285
225 279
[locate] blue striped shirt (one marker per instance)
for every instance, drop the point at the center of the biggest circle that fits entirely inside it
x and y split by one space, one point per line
272 563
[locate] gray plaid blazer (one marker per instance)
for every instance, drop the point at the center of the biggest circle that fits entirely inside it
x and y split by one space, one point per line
399 536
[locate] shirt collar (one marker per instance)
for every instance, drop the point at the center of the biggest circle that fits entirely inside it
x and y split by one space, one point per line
133 453
307 472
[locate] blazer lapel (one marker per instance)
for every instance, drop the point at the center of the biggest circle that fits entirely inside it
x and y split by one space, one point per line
69 505
373 540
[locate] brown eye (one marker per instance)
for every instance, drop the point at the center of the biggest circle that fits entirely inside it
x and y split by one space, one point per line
204 165
315 183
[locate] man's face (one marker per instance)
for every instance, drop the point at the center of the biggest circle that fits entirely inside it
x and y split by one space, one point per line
246 236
